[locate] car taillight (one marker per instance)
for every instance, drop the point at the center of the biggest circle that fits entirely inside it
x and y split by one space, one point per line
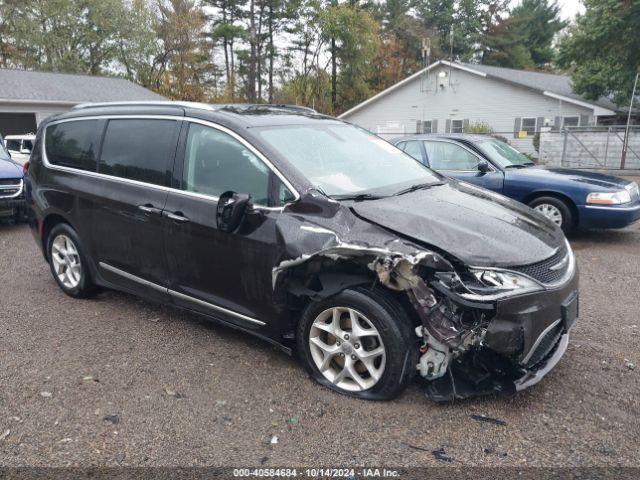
25 168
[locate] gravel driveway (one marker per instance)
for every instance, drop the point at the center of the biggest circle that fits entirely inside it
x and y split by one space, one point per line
118 381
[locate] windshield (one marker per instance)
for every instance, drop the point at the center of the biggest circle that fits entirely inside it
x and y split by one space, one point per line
344 161
502 153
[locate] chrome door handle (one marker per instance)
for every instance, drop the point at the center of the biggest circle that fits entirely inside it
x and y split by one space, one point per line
177 217
149 209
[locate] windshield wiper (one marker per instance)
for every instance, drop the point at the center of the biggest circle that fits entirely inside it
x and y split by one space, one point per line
520 165
418 186
358 197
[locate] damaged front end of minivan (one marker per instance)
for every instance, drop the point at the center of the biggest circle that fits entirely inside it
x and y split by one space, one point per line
479 330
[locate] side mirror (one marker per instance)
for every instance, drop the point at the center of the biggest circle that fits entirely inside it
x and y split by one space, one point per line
231 208
483 166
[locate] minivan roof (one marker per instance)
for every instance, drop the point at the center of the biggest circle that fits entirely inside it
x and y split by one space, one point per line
204 106
233 115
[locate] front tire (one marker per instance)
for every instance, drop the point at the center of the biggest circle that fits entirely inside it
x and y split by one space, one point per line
555 210
360 343
68 263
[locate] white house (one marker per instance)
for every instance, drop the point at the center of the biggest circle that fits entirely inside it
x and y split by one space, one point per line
446 96
28 97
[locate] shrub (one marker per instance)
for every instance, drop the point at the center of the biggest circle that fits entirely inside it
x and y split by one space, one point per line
478 127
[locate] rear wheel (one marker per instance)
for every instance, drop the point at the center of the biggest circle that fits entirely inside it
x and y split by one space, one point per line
359 343
555 210
68 263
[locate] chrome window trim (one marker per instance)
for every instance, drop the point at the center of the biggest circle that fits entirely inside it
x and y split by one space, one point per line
446 140
179 295
207 123
11 187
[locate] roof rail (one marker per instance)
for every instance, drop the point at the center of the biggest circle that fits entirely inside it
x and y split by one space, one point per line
281 106
148 103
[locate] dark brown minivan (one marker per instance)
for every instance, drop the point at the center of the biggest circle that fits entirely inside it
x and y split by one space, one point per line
310 233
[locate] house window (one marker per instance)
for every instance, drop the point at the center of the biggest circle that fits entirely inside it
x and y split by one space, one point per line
427 126
572 121
529 125
457 126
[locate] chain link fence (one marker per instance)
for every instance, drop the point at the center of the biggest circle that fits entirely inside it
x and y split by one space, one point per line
591 147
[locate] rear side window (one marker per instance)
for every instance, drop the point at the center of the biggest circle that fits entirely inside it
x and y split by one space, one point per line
139 149
73 144
449 156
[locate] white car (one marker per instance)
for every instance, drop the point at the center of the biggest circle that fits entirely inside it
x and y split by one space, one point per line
20 146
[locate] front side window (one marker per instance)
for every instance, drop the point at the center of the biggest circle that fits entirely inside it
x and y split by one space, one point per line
73 144
343 160
449 156
139 149
215 162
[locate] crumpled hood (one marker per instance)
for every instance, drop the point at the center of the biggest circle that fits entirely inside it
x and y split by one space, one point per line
588 180
476 226
9 169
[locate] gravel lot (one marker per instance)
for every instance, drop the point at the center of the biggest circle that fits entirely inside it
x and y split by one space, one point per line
118 381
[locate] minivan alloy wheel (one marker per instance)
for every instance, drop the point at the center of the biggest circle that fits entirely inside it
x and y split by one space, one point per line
551 212
66 261
347 349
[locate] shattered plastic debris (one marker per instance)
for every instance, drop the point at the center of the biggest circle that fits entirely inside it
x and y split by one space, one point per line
414 447
172 393
293 421
629 364
46 394
495 421
494 451
112 419
4 434
441 455
273 440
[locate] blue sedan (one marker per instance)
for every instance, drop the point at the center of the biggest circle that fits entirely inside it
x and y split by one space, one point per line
570 198
12 202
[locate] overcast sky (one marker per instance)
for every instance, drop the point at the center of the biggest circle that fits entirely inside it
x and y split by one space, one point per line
568 8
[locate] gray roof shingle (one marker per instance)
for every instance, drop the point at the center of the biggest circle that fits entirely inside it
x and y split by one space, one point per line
36 86
558 84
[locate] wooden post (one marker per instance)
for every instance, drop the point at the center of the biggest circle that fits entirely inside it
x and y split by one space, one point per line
625 143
